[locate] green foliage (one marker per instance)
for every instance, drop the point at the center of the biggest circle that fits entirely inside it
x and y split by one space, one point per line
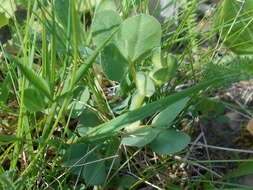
7 10
170 141
239 67
137 36
168 115
33 100
8 7
235 18
84 163
141 137
63 16
87 77
36 80
104 24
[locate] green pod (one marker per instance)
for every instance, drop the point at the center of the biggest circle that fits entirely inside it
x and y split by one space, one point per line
235 25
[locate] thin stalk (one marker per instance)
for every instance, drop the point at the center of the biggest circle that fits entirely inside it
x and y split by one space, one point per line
18 144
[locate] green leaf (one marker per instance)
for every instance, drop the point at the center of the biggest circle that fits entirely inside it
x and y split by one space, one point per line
62 10
104 24
84 67
165 72
235 18
168 115
119 122
94 174
137 36
145 85
79 104
106 5
33 100
114 65
87 119
140 137
36 80
170 141
8 7
79 158
3 20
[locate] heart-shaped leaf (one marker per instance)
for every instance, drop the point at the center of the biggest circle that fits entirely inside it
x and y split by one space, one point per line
137 36
104 24
170 141
113 63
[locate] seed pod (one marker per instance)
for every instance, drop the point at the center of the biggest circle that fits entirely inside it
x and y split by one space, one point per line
235 25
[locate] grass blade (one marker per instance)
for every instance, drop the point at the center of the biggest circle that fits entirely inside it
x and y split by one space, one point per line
36 80
145 111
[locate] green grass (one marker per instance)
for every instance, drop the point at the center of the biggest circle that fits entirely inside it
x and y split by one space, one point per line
89 94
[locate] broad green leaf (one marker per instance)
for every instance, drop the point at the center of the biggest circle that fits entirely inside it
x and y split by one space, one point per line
137 36
33 100
236 18
3 20
79 159
87 119
36 80
86 52
114 65
84 67
140 137
95 173
170 141
104 24
62 11
8 7
168 115
149 109
145 85
106 5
